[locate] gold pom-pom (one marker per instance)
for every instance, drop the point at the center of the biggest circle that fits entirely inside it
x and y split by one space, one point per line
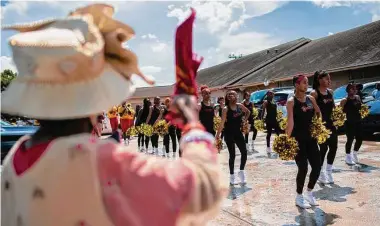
138 129
286 147
319 131
279 115
132 131
255 112
219 144
217 121
364 111
146 129
161 128
283 123
244 127
259 125
338 116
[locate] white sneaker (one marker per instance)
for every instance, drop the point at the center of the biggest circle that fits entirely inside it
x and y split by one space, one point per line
232 179
349 159
322 177
310 198
247 147
301 202
174 154
329 176
241 175
355 157
156 151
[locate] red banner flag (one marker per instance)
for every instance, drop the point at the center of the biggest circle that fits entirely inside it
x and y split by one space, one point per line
186 62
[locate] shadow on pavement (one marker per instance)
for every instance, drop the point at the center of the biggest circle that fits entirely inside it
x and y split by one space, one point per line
334 193
362 168
236 191
317 218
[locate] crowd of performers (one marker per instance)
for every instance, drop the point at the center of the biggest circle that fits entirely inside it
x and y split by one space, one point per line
233 116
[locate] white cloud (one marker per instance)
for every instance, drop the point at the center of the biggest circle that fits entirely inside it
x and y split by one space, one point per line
7 63
149 36
330 33
375 17
159 47
328 4
150 69
218 16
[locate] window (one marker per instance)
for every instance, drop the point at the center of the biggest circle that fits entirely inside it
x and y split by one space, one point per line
257 96
369 89
340 93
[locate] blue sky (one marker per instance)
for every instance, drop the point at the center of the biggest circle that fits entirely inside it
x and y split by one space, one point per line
222 27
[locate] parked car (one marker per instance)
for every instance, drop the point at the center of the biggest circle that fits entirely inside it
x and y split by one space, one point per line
258 97
10 134
371 123
281 97
368 88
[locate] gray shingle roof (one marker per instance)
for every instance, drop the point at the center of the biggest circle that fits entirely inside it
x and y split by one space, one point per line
161 91
355 47
226 73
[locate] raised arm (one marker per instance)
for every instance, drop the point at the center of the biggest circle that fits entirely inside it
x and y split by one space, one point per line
290 123
184 188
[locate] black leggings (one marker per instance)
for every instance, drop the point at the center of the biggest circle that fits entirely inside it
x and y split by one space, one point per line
232 138
171 135
308 152
179 134
270 126
331 145
154 139
140 140
254 130
353 131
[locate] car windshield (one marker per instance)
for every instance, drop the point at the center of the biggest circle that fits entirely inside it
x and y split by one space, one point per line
280 97
369 89
256 97
340 93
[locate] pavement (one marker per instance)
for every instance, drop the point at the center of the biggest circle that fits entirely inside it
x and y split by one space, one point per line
269 196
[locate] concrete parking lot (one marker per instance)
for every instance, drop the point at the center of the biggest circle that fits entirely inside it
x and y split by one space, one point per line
269 197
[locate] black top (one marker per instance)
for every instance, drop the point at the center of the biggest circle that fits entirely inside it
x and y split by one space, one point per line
303 113
352 110
271 112
206 116
250 107
154 116
326 105
234 120
220 109
142 116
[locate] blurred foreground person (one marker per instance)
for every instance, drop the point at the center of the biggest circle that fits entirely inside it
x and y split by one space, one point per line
62 175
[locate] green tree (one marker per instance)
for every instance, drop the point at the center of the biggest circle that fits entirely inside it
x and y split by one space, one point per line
6 77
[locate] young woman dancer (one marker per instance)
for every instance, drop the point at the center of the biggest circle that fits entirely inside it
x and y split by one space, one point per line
126 120
271 118
206 110
301 108
232 118
247 103
219 109
324 97
141 118
112 116
172 130
154 113
351 106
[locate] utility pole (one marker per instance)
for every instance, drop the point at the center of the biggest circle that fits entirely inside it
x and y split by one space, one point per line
233 56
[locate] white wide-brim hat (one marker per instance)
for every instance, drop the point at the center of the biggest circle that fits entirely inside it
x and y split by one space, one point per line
71 68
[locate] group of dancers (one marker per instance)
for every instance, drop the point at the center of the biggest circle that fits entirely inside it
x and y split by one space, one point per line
300 110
